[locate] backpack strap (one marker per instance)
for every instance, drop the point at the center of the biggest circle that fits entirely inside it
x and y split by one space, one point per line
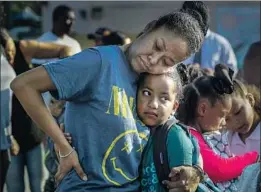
160 153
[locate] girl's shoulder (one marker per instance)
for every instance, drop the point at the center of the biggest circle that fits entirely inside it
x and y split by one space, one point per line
179 130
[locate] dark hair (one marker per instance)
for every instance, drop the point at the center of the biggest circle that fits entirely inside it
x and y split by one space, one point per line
114 38
200 11
60 10
215 88
189 24
174 75
188 73
4 36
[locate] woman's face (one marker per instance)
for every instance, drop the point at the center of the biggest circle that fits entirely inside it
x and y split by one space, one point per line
241 116
156 52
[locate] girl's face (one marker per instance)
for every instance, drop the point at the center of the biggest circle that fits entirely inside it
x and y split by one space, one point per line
156 52
241 116
213 117
156 99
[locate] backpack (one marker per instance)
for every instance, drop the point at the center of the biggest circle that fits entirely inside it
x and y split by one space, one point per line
160 156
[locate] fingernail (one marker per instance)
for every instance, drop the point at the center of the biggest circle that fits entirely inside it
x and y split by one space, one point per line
85 178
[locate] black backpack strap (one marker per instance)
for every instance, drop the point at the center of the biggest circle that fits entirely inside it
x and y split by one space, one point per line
160 153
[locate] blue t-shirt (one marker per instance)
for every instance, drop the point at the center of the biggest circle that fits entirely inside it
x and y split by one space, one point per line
100 114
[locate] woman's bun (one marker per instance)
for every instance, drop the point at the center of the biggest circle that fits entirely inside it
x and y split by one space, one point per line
199 11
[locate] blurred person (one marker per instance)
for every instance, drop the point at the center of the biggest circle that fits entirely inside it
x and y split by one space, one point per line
99 34
107 136
252 65
29 138
105 36
216 49
63 19
8 143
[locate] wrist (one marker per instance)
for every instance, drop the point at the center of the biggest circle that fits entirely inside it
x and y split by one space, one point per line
199 172
64 148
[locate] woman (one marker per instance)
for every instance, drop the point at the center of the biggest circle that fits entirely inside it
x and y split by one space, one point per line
99 85
29 138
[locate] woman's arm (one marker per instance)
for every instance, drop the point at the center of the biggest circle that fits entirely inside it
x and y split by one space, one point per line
221 169
40 50
28 88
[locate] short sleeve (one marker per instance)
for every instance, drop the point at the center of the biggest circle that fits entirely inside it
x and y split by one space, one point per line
75 76
180 148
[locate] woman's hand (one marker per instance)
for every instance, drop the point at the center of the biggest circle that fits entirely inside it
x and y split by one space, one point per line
67 164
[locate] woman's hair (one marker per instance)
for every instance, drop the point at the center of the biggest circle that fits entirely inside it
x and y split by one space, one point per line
214 88
174 75
189 23
4 36
241 89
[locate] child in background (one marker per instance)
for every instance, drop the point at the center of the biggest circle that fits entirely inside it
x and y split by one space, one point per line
243 122
157 100
207 101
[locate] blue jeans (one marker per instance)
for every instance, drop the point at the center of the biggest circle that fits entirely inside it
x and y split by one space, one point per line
33 162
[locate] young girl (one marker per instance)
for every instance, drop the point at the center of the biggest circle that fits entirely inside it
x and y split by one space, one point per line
207 101
243 122
157 100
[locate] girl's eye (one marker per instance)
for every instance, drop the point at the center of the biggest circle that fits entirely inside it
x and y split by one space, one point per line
164 98
146 93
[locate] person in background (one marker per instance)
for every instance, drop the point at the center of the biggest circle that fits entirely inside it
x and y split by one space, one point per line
29 138
105 36
243 121
252 65
8 143
216 49
63 19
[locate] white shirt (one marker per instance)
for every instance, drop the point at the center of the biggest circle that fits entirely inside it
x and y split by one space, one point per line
65 40
252 143
216 49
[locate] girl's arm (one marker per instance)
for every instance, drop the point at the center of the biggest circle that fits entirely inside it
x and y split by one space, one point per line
221 169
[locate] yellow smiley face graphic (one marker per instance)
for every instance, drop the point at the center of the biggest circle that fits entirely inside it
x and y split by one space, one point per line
110 160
